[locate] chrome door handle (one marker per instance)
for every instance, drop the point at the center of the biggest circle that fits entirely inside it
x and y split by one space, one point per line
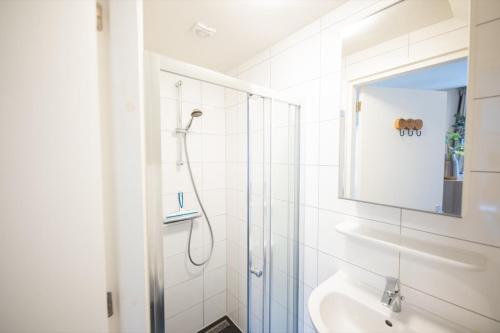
255 272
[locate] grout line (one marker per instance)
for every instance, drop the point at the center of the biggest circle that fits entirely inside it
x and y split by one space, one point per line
485 171
359 217
318 155
486 97
486 22
350 263
183 311
453 237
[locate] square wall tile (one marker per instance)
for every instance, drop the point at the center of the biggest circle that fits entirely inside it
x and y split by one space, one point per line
309 226
215 282
485 10
214 176
191 89
472 321
455 40
176 178
219 229
309 139
236 176
470 289
329 265
329 107
329 142
188 321
236 204
214 202
212 95
331 50
214 148
328 187
295 38
309 266
481 217
258 74
215 308
309 189
485 154
484 59
175 238
304 58
213 120
374 258
179 269
307 93
231 303
183 296
219 256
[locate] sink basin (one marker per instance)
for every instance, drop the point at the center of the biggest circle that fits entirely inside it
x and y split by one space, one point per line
341 305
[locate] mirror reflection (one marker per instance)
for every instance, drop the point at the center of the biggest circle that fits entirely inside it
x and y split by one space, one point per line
404 106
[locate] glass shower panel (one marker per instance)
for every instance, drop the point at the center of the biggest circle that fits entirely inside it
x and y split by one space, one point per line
273 215
256 213
284 222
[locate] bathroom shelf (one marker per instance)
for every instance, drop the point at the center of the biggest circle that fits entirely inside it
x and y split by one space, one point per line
180 218
439 253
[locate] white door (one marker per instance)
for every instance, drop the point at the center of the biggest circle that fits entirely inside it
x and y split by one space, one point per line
404 171
52 271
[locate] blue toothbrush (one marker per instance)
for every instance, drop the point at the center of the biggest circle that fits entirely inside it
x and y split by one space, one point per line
180 199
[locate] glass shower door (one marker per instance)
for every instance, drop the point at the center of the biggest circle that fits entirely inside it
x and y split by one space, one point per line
273 215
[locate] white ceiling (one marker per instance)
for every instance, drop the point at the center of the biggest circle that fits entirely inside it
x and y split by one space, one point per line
440 77
400 19
244 27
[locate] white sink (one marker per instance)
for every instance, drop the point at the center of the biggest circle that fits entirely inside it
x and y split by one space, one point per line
341 305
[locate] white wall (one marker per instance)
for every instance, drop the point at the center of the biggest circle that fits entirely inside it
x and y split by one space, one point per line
51 235
107 170
412 172
127 163
308 64
194 296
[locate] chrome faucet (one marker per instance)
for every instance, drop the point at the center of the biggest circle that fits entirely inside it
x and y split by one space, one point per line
392 294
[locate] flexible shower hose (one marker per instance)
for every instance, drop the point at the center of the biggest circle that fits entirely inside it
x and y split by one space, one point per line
188 163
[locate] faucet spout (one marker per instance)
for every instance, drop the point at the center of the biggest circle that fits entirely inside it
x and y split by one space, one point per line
391 297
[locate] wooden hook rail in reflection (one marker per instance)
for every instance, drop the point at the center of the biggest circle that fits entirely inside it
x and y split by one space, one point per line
410 125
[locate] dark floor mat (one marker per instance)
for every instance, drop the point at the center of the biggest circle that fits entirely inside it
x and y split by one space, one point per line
223 325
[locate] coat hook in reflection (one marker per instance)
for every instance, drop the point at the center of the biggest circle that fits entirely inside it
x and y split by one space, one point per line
410 126
418 126
400 124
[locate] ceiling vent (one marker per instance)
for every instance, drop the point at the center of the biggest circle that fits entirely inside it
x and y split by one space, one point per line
203 30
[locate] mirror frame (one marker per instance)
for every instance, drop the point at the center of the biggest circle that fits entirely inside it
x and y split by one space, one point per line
348 102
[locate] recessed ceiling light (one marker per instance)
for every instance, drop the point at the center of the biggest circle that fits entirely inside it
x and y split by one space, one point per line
202 30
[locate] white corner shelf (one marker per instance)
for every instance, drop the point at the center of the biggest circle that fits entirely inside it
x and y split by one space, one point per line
181 217
447 255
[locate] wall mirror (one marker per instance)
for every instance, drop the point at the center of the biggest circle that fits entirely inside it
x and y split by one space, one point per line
404 97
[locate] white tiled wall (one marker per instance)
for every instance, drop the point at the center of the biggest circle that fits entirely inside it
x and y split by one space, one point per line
194 296
307 64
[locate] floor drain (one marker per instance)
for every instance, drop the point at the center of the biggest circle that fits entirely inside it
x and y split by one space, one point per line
388 323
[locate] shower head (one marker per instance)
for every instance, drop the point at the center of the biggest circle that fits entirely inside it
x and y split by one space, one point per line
195 114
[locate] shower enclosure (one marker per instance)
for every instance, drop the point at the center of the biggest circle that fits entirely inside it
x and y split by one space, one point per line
243 146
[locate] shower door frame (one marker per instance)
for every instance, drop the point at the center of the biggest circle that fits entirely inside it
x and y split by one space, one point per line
154 64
